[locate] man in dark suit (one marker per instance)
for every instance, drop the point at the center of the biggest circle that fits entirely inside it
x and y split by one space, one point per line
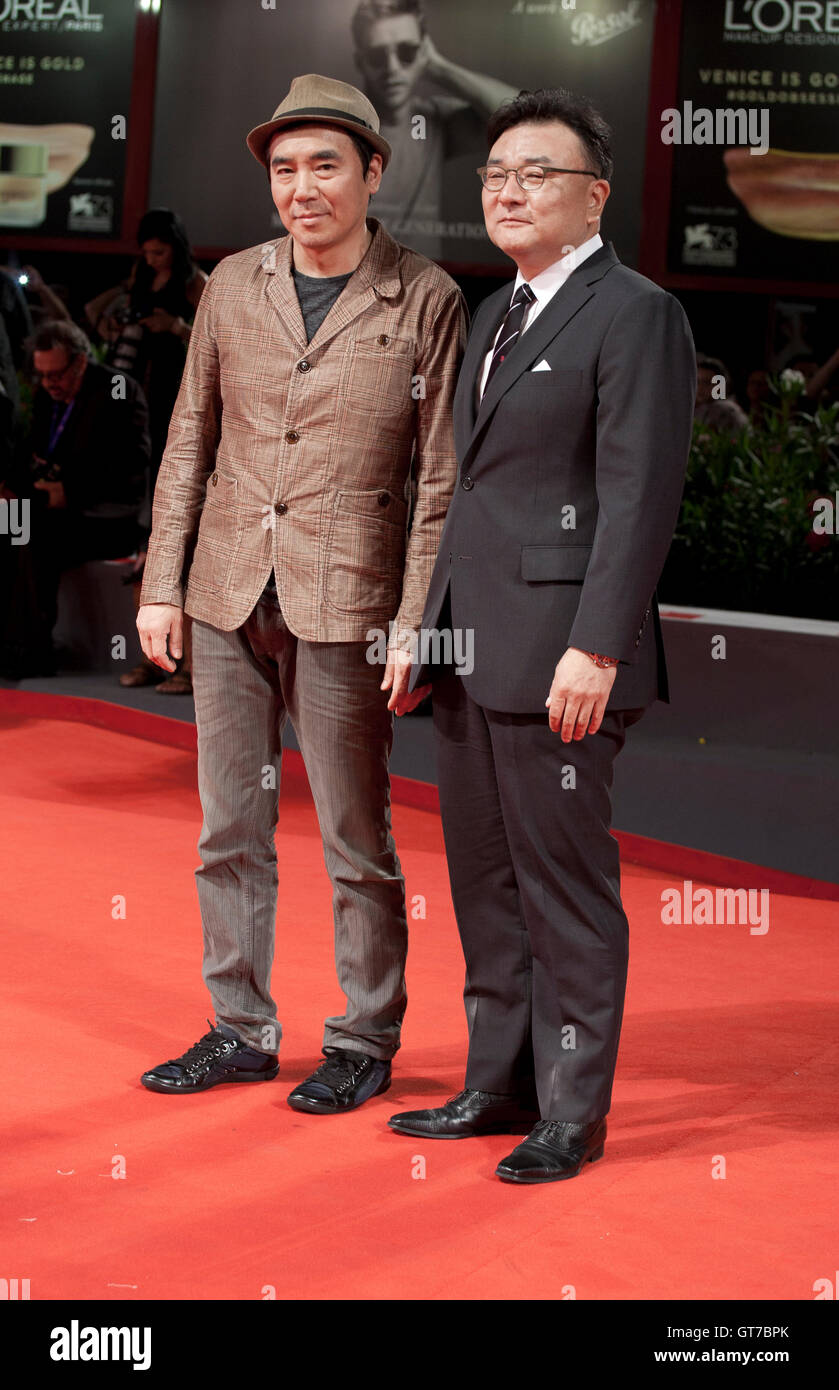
89 450
572 424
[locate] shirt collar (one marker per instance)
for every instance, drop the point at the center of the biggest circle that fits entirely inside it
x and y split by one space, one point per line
547 282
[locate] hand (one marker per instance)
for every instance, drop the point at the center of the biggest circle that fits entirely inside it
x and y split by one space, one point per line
158 321
397 675
36 282
430 56
579 692
156 622
108 328
57 495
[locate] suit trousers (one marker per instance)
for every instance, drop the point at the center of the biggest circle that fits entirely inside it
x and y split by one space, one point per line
535 880
246 684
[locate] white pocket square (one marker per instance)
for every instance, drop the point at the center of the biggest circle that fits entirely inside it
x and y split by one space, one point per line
542 366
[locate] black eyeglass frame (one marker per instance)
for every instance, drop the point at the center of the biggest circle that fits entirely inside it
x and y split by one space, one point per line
545 168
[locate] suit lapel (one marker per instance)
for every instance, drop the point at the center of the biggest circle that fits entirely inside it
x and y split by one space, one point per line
580 286
484 330
276 262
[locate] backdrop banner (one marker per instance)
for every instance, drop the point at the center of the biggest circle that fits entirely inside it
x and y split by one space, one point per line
65 86
760 77
434 72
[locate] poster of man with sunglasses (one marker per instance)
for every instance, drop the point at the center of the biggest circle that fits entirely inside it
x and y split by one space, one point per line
395 54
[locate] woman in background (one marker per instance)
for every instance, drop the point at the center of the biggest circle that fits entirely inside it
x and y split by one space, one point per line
148 321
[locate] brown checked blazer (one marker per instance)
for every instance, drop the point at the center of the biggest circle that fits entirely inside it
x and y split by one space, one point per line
298 454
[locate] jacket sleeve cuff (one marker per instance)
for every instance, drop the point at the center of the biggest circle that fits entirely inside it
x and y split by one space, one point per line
162 593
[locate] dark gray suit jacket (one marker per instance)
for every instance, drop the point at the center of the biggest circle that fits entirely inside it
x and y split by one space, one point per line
569 488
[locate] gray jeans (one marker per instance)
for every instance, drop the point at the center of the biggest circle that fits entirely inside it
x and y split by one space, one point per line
246 684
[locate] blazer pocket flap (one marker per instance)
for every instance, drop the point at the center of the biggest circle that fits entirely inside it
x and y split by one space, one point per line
380 343
379 503
557 562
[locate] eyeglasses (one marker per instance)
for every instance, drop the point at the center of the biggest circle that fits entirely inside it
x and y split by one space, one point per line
379 55
529 176
56 375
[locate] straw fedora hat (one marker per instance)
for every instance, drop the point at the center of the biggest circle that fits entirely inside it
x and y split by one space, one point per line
321 100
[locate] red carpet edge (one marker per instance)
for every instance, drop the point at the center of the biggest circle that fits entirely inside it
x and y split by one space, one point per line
635 849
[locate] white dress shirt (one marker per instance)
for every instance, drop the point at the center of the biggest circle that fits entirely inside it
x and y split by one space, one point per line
544 286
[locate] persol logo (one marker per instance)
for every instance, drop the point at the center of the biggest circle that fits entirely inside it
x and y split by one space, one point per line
594 29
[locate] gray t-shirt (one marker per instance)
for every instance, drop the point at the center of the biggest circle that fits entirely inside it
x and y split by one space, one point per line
316 294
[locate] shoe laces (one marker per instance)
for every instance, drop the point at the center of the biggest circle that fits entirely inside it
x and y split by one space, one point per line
340 1069
548 1130
213 1044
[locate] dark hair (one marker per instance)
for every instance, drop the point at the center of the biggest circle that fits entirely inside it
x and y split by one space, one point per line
365 151
370 10
160 224
59 333
557 104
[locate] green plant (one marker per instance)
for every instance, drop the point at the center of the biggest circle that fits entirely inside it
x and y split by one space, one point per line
745 537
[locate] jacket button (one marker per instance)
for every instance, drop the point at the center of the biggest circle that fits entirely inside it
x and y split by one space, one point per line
467 483
383 339
384 498
303 366
214 479
292 436
281 508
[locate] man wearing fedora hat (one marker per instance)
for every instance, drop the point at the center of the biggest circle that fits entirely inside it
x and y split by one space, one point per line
320 377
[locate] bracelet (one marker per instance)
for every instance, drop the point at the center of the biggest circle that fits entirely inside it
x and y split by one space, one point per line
603 661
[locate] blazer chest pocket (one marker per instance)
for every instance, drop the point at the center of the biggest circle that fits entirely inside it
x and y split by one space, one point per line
379 368
556 563
560 378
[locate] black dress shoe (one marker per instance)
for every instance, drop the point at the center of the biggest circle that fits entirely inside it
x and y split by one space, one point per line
466 1115
553 1150
210 1062
343 1082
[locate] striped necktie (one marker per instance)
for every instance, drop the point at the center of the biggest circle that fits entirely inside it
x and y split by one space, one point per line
510 328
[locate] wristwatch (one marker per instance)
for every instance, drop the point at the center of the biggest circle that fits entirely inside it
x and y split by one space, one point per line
604 661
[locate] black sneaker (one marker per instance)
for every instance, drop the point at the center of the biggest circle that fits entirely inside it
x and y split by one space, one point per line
343 1082
214 1060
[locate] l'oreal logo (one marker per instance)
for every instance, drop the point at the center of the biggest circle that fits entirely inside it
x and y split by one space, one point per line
777 16
46 9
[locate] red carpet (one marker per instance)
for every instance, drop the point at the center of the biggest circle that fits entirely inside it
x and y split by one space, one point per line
729 1049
